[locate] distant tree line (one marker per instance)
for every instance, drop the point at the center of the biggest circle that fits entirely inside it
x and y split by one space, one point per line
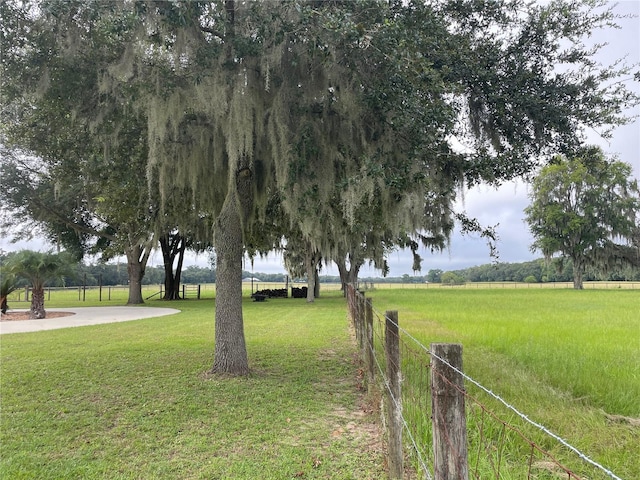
535 271
110 274
557 270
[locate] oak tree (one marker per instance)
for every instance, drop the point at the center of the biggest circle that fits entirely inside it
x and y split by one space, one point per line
335 108
586 208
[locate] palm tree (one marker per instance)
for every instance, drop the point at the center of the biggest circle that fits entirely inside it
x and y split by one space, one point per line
8 285
39 268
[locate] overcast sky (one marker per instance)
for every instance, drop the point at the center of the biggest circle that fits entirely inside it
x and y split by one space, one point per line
503 206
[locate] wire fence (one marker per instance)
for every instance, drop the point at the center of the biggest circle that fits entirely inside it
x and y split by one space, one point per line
491 440
590 285
118 293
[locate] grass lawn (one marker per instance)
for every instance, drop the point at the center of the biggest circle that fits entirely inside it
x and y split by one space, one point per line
132 400
568 359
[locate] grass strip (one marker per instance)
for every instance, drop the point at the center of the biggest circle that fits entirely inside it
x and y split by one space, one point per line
133 400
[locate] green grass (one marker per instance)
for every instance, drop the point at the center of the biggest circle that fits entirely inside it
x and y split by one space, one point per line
117 295
133 400
568 359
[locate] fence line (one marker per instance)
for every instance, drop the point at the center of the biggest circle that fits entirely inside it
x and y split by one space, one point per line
531 422
588 285
498 447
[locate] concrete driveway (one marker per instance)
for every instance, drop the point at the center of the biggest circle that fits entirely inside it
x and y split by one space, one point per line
85 316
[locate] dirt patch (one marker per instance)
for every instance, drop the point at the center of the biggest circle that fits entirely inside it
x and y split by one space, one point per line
634 422
17 316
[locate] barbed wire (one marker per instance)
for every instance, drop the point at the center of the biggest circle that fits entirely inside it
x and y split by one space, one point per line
485 409
406 427
528 420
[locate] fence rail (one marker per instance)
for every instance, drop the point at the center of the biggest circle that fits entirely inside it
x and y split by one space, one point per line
108 293
481 437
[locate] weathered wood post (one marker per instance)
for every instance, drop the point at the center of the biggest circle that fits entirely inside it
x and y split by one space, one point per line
350 299
368 352
449 420
356 314
394 401
361 325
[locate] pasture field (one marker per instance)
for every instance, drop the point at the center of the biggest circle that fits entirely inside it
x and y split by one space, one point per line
568 359
133 400
116 295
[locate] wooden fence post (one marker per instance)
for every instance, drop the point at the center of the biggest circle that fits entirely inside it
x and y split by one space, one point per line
361 325
350 299
449 420
368 353
394 401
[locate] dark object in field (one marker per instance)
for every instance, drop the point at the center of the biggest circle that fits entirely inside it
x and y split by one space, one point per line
299 292
270 293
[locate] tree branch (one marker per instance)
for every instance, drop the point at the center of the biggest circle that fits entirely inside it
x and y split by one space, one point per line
70 223
212 31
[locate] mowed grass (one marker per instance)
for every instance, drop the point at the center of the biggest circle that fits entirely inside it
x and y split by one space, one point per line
567 359
133 400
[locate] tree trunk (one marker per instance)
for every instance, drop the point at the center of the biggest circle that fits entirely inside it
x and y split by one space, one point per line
316 290
135 271
172 246
178 275
578 269
342 271
348 276
311 261
171 287
352 274
37 303
311 278
230 356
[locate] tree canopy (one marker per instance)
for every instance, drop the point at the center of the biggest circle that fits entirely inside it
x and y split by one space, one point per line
362 118
580 207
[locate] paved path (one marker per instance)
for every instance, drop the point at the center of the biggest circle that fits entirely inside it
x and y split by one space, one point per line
85 316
